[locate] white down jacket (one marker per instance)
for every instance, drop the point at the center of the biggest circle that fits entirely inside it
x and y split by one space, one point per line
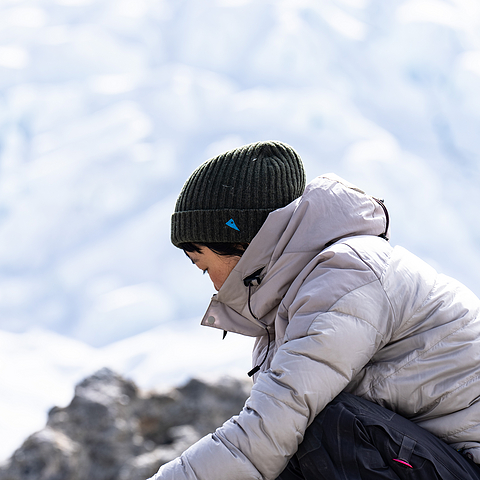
357 315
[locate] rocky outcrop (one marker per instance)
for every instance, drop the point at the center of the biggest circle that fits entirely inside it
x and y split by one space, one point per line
112 430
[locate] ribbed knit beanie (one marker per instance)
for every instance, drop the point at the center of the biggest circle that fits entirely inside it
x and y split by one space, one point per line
228 198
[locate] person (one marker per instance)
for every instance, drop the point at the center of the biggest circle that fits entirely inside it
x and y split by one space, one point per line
366 360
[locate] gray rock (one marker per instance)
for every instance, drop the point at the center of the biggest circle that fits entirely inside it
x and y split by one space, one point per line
112 430
145 465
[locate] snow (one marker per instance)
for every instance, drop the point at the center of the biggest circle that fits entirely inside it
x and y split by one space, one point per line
106 106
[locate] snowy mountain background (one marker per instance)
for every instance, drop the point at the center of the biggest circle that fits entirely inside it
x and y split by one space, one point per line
106 107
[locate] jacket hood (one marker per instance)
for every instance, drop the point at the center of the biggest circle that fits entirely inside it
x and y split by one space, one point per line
329 210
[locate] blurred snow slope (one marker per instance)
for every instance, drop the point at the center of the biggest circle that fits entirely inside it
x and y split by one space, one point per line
106 106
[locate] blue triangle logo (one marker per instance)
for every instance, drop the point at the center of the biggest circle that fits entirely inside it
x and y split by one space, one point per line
231 224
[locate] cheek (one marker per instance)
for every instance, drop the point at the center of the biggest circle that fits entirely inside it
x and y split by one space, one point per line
218 276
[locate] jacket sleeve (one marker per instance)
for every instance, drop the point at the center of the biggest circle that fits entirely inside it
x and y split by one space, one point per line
331 340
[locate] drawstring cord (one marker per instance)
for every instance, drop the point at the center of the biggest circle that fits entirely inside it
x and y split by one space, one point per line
387 218
248 282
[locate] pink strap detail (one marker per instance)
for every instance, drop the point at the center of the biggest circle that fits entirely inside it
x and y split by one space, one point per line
403 462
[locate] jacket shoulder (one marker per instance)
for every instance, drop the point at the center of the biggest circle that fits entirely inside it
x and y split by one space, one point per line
375 252
346 279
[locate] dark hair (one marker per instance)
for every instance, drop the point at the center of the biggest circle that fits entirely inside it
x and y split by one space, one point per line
223 249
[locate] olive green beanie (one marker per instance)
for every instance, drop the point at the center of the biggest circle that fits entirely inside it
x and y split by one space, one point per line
228 198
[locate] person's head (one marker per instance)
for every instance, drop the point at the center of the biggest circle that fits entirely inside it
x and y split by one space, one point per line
226 200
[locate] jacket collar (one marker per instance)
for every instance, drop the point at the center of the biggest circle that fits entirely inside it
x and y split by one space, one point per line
290 238
228 309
